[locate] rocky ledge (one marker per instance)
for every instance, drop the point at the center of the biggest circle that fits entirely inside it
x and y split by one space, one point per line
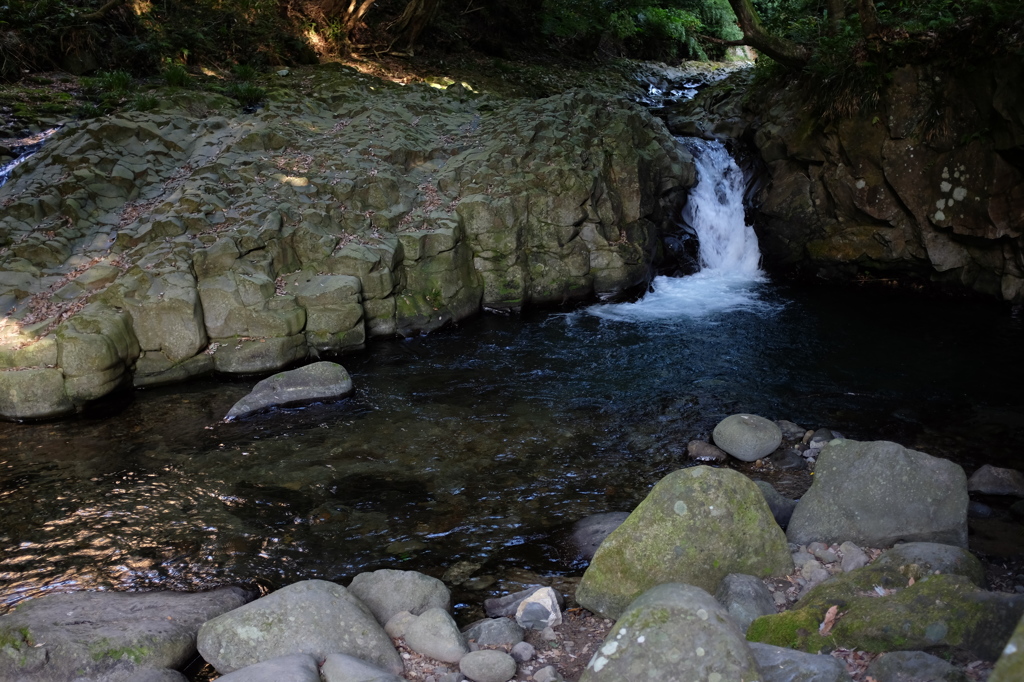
147 248
926 184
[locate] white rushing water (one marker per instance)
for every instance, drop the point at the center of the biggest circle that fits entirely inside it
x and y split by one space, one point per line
729 258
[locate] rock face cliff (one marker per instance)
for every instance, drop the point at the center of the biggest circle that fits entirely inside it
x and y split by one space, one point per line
929 183
150 247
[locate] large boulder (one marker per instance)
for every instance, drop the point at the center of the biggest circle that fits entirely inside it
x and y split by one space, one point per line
878 493
942 612
673 632
313 617
387 592
696 526
318 381
112 635
747 436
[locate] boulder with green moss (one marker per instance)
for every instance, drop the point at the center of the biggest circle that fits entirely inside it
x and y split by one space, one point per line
674 632
939 611
1010 666
696 526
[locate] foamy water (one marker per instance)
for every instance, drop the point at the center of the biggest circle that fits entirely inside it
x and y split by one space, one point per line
730 274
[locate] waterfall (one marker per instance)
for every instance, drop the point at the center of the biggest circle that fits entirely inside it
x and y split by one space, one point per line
730 272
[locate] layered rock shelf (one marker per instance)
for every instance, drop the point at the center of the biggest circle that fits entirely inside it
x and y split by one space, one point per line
147 248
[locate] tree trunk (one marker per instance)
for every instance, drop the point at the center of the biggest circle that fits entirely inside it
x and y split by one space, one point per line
784 51
868 17
415 18
836 15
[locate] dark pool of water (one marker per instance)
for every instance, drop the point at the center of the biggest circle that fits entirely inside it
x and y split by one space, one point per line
482 443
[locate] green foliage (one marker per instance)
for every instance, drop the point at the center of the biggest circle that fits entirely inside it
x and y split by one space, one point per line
653 29
176 75
144 102
247 94
115 82
245 73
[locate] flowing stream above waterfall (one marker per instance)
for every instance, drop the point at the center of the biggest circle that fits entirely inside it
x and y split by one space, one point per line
485 442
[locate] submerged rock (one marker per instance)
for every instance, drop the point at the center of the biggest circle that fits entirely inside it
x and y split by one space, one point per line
589 533
697 525
319 381
879 493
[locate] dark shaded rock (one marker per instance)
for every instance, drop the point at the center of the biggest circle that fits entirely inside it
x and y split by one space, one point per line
913 666
494 632
779 664
782 507
703 451
990 480
590 532
1010 666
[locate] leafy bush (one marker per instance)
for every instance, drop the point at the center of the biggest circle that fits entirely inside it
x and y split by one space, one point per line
247 94
245 73
144 102
176 76
115 82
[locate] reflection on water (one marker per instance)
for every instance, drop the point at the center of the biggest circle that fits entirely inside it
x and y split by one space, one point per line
479 443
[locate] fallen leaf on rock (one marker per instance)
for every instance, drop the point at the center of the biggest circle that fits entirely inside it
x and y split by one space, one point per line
830 620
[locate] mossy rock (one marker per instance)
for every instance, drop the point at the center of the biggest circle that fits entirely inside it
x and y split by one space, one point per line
941 611
695 527
1010 666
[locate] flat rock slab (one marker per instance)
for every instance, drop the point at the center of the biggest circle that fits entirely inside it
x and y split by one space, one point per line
319 381
106 635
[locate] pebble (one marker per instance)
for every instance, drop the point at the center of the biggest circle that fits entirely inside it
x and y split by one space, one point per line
523 652
547 674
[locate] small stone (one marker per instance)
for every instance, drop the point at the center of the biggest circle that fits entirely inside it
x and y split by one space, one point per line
747 437
821 438
853 557
790 431
991 480
435 634
523 652
705 452
494 632
540 610
488 665
547 674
